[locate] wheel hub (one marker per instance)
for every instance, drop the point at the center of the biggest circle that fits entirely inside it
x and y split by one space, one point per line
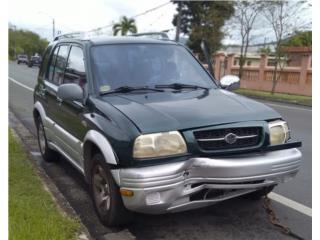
101 189
42 139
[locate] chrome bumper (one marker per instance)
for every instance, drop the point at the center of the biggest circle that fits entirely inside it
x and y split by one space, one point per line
172 187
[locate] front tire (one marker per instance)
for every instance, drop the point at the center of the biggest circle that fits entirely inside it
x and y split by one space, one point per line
106 195
47 154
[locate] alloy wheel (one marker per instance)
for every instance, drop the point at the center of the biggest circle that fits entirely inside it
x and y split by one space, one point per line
101 189
42 139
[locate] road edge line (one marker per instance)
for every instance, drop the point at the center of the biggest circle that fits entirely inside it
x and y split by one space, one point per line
290 203
20 84
288 107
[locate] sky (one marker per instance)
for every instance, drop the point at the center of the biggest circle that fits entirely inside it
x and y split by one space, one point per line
85 15
75 15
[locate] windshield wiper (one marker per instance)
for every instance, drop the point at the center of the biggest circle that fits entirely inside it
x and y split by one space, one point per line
178 86
125 89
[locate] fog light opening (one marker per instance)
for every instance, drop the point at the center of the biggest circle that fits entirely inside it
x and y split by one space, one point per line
153 198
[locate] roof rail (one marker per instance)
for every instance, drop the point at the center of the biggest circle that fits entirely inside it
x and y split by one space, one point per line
156 35
70 35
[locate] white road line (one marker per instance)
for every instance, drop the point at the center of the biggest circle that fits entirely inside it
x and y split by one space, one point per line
20 84
290 203
295 108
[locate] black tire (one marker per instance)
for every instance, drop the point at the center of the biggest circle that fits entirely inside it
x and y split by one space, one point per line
48 154
257 195
18 62
111 210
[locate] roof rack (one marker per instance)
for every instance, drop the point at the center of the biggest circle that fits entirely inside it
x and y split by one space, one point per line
82 35
156 35
70 35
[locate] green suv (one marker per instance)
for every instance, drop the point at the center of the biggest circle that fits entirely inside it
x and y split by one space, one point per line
152 131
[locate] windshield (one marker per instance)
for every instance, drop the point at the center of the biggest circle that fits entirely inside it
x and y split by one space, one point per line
137 65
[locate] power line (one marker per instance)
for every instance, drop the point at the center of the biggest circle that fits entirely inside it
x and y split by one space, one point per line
151 10
133 17
157 19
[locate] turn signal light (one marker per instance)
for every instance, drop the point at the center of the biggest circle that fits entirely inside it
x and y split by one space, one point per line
126 192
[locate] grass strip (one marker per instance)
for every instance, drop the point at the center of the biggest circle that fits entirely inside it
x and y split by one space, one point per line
33 213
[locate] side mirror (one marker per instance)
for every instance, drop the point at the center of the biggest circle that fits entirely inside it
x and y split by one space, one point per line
230 82
70 91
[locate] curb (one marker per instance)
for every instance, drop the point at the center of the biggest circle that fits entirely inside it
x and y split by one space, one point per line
28 142
275 100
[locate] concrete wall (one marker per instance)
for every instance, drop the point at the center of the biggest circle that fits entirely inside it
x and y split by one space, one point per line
294 80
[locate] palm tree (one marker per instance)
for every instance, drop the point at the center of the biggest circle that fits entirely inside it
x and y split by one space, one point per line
124 26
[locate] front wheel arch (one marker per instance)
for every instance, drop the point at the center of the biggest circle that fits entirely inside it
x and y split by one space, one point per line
36 116
89 150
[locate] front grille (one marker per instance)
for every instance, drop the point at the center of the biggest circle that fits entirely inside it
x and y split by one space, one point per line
228 138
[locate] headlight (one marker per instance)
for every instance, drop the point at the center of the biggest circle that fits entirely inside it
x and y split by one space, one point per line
159 144
279 132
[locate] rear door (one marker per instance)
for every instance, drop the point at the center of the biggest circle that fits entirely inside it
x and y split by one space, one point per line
40 92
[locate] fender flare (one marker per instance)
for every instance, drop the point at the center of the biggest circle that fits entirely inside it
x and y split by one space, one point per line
38 106
103 144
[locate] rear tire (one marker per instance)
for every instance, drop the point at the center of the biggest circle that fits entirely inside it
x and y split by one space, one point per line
47 154
106 195
257 195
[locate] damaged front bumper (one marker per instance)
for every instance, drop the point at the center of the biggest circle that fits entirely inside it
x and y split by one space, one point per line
199 182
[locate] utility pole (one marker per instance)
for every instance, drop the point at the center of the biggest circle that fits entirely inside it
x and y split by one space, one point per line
53 24
53 29
178 22
14 41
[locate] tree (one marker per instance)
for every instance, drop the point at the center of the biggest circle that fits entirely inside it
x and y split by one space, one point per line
265 50
26 42
178 23
204 21
299 39
124 26
245 17
284 19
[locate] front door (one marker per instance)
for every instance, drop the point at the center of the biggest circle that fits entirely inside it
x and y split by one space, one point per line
70 113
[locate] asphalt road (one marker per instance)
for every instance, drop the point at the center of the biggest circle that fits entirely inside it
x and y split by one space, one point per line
234 219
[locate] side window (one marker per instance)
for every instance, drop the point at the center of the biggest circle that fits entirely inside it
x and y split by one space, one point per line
52 63
75 70
45 61
61 60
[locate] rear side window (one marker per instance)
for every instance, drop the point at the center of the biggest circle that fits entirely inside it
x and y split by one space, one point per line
52 63
75 70
45 62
